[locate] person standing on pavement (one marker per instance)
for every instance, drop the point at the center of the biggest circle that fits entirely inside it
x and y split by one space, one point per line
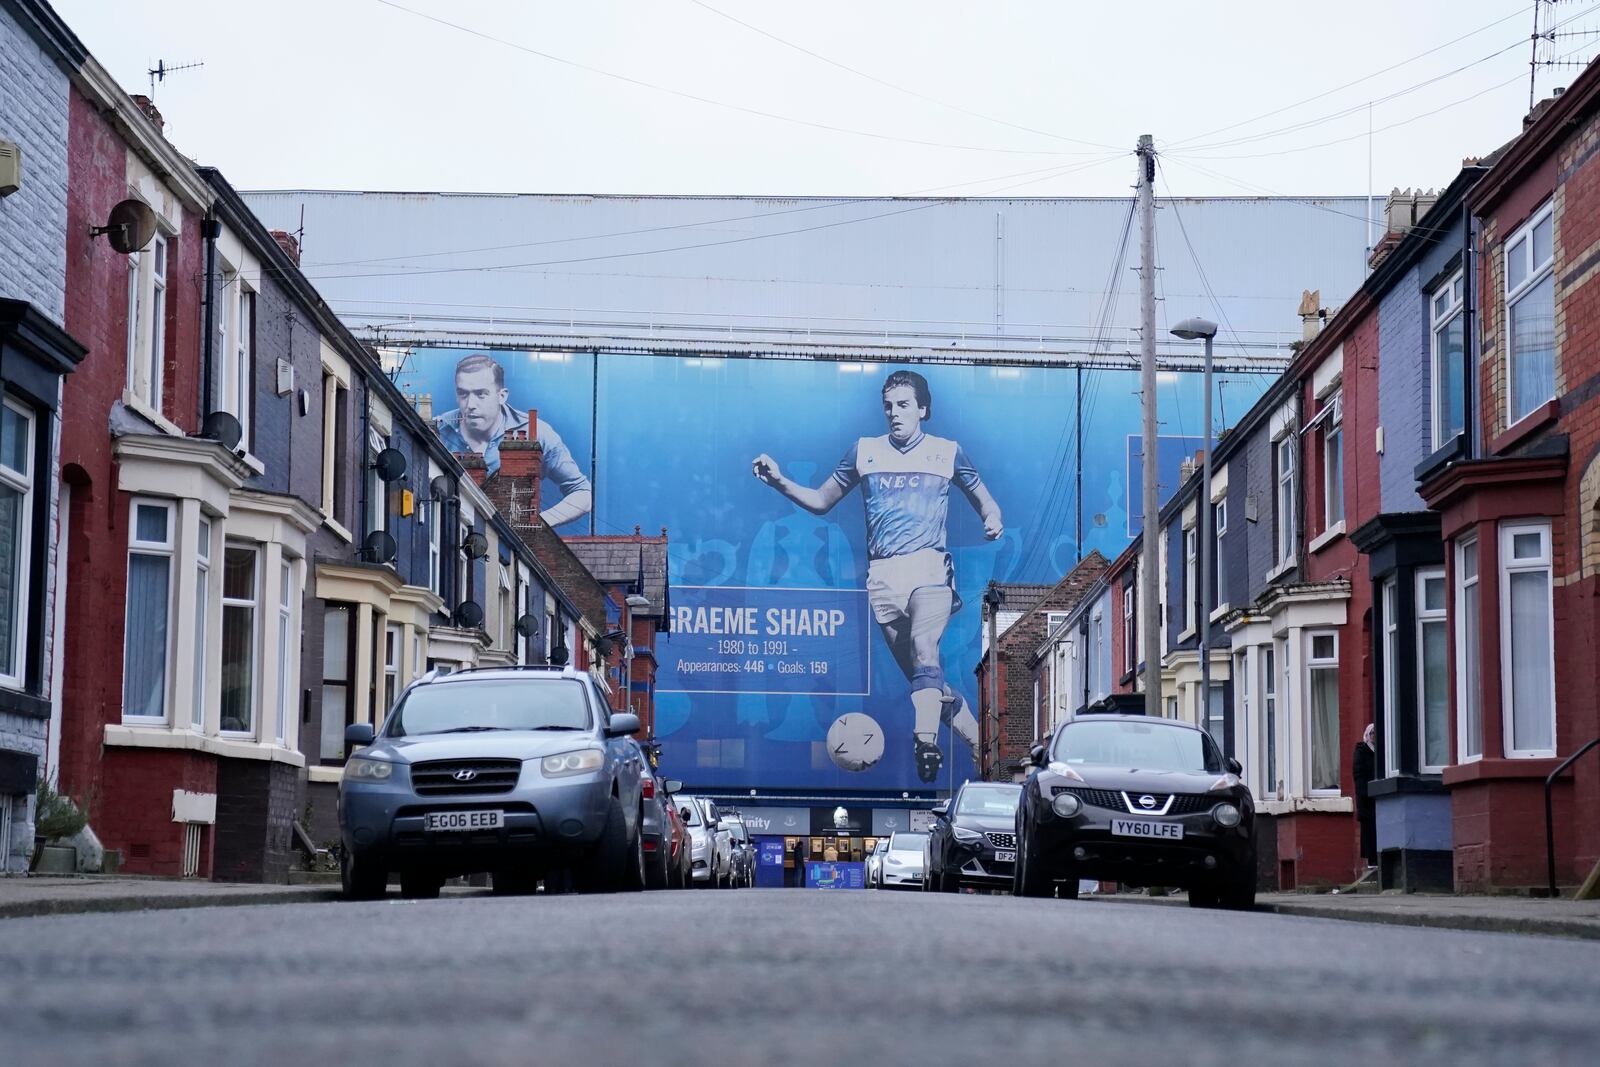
1363 767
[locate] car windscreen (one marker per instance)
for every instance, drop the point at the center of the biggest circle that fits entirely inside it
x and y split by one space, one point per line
988 800
688 806
553 704
907 842
1147 746
735 828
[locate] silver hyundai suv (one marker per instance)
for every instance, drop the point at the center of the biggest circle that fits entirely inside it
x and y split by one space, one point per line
523 772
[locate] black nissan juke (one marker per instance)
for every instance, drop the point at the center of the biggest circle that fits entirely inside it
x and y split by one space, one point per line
1143 802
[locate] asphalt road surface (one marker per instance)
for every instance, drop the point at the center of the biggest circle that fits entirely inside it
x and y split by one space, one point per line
781 976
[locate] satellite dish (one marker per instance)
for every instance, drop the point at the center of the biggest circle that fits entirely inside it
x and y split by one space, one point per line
131 226
475 546
468 614
390 464
222 428
379 547
527 625
442 488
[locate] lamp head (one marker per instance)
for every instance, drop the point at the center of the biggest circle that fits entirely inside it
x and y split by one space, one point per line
1194 329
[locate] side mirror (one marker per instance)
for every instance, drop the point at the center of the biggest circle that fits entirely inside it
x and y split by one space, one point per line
1036 754
685 814
672 785
358 734
941 810
623 724
1234 766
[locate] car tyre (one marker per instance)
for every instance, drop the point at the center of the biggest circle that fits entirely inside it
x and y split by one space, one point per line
657 873
1028 880
1203 895
949 882
420 885
1238 889
615 860
361 878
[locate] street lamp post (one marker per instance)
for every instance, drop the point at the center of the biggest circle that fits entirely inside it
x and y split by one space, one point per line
1189 330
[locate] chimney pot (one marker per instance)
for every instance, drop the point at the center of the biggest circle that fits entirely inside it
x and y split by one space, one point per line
148 106
289 244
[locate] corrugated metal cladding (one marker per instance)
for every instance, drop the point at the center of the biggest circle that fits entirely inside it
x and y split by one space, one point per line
757 269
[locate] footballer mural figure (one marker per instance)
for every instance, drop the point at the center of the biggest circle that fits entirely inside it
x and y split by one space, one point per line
905 478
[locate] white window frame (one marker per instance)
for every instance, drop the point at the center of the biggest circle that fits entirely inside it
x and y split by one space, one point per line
1219 566
135 311
288 683
1130 630
1389 599
1098 686
1052 619
1191 574
1445 304
463 591
1542 564
243 362
1286 462
169 549
505 603
376 490
432 518
1313 665
205 537
1426 616
1271 666
156 355
21 483
1535 272
258 583
1333 457
394 637
1468 670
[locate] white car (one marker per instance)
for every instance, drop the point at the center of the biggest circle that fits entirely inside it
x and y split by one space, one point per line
905 862
875 863
711 851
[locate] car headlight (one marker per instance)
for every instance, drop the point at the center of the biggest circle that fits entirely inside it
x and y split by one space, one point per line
569 763
965 836
362 769
1226 815
1066 805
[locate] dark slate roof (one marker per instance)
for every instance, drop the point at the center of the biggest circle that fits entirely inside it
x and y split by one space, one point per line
1019 597
617 559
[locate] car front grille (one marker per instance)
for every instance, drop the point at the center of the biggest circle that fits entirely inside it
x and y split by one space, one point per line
1182 803
465 777
1002 840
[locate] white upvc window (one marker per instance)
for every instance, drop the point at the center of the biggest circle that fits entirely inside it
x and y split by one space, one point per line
1333 462
235 364
1469 678
376 489
1433 672
1099 685
147 320
155 355
1130 628
1446 306
1527 645
504 604
1283 501
288 685
1052 619
432 517
147 642
394 636
16 540
1172 707
202 600
1270 660
1191 574
335 407
463 590
241 602
135 312
1390 602
1219 556
1530 315
1322 710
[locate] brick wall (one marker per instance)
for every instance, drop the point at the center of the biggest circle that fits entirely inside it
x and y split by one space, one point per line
33 220
257 802
130 806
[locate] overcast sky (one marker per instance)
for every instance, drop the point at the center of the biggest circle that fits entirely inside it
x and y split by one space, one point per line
963 98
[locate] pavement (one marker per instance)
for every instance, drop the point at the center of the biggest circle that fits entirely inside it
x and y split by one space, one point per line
65 895
776 977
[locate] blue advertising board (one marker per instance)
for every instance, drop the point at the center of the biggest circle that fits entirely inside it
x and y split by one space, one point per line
769 862
821 875
831 528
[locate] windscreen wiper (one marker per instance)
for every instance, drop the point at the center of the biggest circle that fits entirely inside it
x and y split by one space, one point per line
470 729
554 726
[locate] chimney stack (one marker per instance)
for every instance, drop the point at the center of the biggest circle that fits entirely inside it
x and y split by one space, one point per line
515 487
148 106
1311 316
287 242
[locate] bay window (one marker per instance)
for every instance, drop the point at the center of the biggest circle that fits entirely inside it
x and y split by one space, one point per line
1433 672
16 539
1527 631
151 545
202 586
1530 316
1469 694
338 630
1449 368
240 610
1322 710
287 684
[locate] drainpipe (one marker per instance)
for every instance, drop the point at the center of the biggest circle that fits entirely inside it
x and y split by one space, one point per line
1469 307
210 230
361 460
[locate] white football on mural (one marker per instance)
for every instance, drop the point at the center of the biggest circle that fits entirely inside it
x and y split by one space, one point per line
855 741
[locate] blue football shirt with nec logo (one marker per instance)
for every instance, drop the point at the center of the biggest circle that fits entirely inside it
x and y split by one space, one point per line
906 491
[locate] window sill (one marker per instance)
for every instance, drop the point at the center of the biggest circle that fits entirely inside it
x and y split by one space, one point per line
17 702
249 460
1322 804
141 407
1327 537
1188 633
333 524
1280 570
1220 610
1526 427
329 775
1483 769
123 736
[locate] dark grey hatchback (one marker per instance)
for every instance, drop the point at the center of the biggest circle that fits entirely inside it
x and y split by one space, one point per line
1139 801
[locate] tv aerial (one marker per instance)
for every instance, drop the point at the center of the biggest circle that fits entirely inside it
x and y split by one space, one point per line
159 72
